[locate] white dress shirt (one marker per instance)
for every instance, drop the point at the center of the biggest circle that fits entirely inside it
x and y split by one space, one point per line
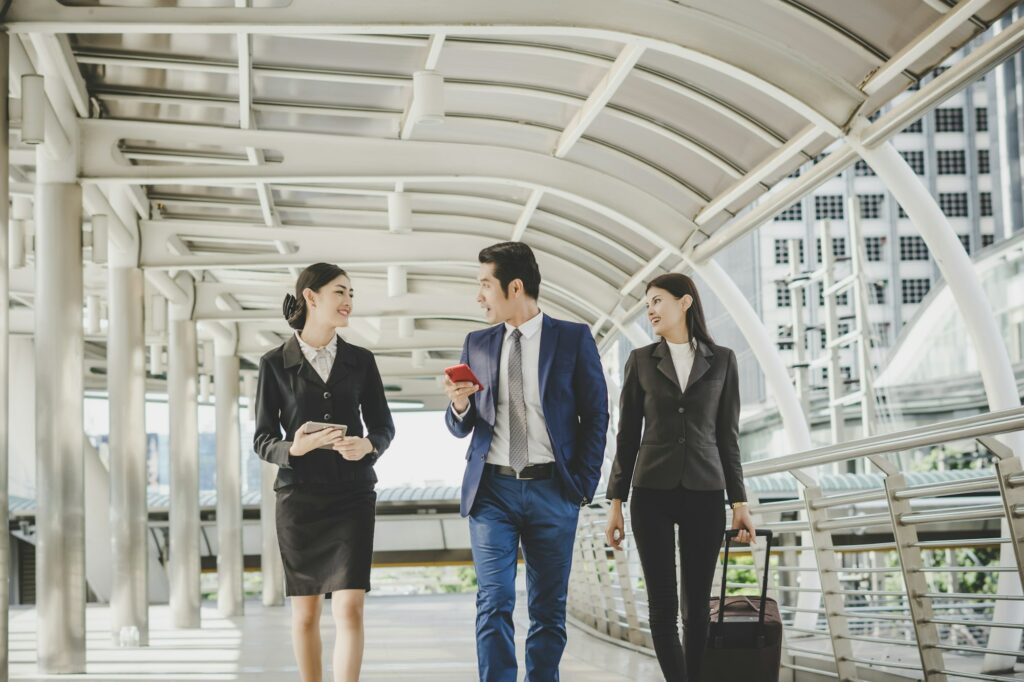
682 360
538 443
322 359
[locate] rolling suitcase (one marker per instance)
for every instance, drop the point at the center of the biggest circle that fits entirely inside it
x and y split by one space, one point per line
744 638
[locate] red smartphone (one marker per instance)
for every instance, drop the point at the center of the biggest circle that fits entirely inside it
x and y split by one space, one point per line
462 373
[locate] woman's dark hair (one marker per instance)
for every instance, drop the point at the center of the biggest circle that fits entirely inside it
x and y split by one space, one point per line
514 260
680 285
314 277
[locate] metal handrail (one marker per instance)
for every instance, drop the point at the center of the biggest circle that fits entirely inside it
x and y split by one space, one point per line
874 601
989 424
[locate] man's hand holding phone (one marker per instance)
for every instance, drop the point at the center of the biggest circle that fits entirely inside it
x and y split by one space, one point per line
459 384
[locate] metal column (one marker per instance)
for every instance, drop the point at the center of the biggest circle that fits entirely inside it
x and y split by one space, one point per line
5 536
182 370
230 590
60 491
126 386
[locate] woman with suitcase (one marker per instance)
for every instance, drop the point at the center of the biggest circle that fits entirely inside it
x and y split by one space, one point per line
678 450
319 390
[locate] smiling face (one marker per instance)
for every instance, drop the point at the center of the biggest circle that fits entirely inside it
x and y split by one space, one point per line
332 305
665 311
497 306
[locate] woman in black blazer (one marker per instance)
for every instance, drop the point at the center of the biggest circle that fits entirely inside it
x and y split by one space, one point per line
325 481
678 448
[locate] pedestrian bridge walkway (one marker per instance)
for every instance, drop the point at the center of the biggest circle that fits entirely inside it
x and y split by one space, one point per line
421 638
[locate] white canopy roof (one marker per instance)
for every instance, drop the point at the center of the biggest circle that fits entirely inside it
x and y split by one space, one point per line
613 137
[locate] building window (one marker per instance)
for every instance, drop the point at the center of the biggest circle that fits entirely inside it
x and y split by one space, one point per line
986 203
782 295
914 290
987 240
782 251
953 204
862 169
913 247
965 240
793 213
877 291
873 248
870 205
949 120
903 214
952 162
828 207
981 119
984 166
916 126
838 247
915 159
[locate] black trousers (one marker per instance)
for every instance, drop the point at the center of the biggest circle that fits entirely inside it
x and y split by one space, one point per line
700 516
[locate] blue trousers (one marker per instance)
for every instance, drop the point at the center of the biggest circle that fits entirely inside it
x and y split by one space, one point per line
537 514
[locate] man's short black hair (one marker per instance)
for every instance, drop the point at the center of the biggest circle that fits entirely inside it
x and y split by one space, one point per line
514 260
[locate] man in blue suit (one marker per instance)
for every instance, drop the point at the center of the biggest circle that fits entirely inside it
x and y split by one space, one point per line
538 430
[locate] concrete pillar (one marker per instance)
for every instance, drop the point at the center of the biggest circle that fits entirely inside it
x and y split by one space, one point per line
126 386
182 400
230 568
5 285
60 488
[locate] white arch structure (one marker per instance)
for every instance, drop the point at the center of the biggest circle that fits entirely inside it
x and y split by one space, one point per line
621 139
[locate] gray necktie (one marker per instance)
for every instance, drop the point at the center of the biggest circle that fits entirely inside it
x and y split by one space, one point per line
323 363
518 450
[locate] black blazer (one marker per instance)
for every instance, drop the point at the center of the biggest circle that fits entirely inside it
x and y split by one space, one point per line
690 434
290 393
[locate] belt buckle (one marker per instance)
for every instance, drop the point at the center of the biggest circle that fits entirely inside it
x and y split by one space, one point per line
520 477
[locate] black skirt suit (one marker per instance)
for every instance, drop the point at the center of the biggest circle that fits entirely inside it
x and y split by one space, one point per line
325 503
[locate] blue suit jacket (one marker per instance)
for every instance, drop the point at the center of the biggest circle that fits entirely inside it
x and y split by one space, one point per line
574 396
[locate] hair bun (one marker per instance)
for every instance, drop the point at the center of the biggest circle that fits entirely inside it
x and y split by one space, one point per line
289 306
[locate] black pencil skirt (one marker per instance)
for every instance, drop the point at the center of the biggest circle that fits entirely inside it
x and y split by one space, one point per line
326 536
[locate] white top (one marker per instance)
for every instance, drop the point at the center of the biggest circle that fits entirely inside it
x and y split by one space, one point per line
537 441
322 359
682 360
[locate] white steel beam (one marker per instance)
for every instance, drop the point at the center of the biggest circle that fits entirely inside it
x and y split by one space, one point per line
923 44
743 120
601 95
527 215
55 56
313 158
653 27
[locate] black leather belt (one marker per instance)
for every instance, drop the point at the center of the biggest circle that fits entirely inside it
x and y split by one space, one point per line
530 473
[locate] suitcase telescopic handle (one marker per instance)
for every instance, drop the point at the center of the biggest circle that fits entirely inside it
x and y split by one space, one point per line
729 535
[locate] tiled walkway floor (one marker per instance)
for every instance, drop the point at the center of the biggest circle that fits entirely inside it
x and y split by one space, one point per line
408 638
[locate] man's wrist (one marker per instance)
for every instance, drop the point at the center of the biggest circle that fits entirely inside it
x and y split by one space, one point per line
737 505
